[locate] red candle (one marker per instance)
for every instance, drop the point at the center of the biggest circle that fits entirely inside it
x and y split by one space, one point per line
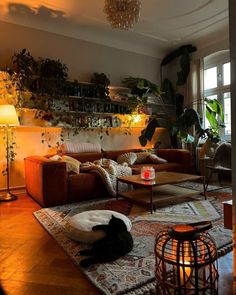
147 174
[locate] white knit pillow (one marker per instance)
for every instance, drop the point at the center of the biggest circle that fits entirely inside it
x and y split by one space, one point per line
128 158
157 160
142 157
78 227
72 165
55 158
81 147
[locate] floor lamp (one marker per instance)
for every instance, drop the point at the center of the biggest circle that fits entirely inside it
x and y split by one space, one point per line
8 118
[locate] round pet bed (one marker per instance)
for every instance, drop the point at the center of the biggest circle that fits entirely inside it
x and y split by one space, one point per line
79 226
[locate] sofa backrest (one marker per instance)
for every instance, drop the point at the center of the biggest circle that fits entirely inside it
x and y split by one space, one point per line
114 154
90 157
86 157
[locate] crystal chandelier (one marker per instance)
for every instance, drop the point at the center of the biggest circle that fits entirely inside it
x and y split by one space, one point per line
122 14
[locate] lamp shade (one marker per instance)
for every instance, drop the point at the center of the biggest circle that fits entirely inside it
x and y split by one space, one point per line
8 115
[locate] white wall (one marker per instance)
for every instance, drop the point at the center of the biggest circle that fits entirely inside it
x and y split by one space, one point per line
83 59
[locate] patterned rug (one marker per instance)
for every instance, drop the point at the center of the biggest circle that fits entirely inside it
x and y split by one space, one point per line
134 273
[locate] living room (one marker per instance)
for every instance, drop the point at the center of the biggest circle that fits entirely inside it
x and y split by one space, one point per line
81 37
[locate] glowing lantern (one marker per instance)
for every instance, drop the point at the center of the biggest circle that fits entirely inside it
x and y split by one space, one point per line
186 260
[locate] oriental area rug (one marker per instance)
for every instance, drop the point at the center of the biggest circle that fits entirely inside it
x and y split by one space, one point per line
134 273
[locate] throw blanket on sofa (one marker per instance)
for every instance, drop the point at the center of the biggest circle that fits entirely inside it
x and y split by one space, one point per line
108 170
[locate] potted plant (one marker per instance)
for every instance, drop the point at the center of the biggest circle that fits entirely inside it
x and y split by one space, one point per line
215 117
101 83
26 66
188 119
140 88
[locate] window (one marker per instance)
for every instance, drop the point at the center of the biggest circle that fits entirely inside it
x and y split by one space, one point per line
217 86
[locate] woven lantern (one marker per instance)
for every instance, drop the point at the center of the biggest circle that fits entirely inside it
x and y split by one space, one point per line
186 260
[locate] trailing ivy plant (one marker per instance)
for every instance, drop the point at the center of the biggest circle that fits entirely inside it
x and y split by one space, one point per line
11 145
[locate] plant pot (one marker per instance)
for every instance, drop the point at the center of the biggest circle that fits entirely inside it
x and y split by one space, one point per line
208 149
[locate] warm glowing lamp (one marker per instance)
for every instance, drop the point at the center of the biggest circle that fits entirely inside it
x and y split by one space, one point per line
8 117
186 260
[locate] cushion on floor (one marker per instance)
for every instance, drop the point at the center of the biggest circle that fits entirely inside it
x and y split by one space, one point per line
79 226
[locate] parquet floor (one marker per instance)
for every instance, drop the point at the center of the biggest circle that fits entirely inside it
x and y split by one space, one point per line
32 263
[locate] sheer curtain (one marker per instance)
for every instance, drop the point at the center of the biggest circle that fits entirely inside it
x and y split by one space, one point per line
193 93
194 86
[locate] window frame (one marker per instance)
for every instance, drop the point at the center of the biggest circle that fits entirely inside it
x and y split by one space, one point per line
217 60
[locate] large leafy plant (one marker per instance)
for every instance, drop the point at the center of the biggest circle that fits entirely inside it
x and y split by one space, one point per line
215 116
187 120
140 88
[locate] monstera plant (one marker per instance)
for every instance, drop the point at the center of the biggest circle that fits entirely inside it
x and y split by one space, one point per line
189 118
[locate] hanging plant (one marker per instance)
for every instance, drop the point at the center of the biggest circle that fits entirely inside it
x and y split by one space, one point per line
184 53
11 145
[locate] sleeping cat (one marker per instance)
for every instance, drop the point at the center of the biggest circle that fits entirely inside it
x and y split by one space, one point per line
117 243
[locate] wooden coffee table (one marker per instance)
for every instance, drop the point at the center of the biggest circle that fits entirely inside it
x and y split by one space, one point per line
150 192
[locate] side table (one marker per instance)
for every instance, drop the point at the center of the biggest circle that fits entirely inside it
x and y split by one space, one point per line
228 206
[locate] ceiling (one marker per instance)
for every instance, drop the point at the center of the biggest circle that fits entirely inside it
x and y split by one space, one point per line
163 24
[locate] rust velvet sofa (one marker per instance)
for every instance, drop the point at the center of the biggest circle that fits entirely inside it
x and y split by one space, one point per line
48 182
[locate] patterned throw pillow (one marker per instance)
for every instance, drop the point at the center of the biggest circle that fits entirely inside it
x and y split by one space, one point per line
128 158
157 160
143 158
72 165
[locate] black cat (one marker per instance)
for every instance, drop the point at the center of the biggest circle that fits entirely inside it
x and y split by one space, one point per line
117 243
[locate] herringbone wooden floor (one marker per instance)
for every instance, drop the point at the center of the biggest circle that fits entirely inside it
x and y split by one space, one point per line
32 263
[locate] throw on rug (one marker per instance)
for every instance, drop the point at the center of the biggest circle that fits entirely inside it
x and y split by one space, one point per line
134 273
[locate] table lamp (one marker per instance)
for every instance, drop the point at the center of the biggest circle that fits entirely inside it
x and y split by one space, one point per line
8 118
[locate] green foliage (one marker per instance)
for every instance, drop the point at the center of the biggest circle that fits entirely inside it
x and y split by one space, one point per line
43 76
168 93
148 132
26 66
188 119
101 82
11 149
140 88
214 113
100 78
185 68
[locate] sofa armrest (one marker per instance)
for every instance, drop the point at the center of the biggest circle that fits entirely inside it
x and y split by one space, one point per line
182 157
46 180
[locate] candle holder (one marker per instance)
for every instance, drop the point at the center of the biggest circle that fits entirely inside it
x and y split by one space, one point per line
186 260
147 173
